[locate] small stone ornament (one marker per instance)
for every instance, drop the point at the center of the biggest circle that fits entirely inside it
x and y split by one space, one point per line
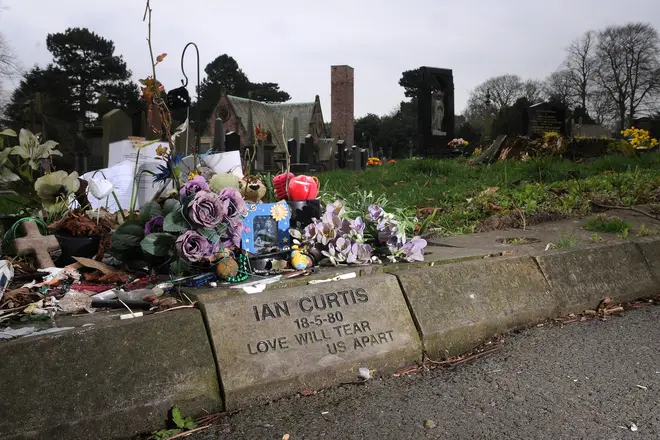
35 243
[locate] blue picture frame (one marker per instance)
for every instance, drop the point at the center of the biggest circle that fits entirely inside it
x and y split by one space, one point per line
261 230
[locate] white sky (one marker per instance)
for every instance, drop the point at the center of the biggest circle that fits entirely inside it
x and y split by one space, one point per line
294 42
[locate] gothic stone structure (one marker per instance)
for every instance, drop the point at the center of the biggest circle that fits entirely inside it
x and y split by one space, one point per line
234 112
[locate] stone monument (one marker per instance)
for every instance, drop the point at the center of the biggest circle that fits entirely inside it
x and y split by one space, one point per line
436 119
342 104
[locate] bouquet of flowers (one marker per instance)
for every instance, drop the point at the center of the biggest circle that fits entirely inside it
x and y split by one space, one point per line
196 229
458 143
339 240
374 162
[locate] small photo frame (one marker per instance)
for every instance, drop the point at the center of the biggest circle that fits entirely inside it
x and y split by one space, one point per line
266 226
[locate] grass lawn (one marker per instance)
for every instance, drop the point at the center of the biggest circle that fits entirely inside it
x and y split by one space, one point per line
524 192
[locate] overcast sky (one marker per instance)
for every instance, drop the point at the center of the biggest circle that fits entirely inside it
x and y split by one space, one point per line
294 42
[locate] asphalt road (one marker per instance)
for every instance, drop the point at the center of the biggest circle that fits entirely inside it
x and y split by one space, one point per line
586 380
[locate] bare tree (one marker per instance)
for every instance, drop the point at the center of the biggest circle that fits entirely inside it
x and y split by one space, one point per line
581 66
504 90
559 86
628 67
533 90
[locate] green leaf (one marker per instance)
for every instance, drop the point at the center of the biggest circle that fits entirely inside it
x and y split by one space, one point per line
149 211
179 267
177 418
175 222
128 235
171 205
159 244
8 132
210 234
166 433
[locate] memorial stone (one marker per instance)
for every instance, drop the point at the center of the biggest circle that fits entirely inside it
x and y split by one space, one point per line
544 118
272 344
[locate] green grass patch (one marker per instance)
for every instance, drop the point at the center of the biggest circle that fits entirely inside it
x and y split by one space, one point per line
567 241
463 195
613 225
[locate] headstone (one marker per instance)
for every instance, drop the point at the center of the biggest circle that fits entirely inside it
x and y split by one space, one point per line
357 158
307 151
296 137
545 117
364 158
260 157
219 137
117 126
341 154
342 103
232 141
34 243
269 156
292 147
436 119
272 344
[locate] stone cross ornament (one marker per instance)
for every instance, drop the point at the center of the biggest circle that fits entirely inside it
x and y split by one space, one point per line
35 243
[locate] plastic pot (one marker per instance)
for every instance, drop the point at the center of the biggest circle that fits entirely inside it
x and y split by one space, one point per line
75 247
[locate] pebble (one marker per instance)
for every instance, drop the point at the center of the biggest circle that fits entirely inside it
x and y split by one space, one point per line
429 424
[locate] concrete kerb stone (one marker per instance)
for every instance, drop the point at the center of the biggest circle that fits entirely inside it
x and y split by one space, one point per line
650 247
109 380
459 306
276 343
581 278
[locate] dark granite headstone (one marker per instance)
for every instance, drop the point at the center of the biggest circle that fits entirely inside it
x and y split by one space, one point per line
292 146
269 157
364 158
307 150
341 154
232 141
260 157
545 117
357 158
436 119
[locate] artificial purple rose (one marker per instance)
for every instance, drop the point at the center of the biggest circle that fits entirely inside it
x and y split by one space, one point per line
192 187
310 230
154 225
193 246
325 232
232 235
233 204
206 209
336 208
342 247
375 213
414 250
386 231
357 226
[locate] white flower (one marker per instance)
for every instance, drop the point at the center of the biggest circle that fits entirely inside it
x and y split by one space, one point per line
100 188
6 175
30 149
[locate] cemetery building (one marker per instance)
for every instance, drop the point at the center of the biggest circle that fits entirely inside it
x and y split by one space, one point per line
235 114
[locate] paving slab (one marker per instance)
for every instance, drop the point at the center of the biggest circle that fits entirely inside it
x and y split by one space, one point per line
276 343
109 380
459 306
584 277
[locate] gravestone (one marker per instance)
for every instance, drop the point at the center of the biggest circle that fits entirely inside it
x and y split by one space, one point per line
364 158
292 148
232 141
219 137
326 153
117 126
260 160
543 118
276 343
341 154
307 150
357 158
436 119
296 137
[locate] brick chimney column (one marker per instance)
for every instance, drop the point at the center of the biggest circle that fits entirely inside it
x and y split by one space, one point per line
342 104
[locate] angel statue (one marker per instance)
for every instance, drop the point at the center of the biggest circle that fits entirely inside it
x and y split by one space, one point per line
437 113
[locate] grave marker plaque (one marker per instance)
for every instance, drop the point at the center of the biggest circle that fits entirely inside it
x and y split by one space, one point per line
280 342
545 117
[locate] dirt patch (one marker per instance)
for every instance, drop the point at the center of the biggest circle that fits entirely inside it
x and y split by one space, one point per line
518 240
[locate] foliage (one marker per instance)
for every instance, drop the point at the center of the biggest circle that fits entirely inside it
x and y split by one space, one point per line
84 71
567 241
538 188
223 73
177 424
639 139
603 223
645 231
